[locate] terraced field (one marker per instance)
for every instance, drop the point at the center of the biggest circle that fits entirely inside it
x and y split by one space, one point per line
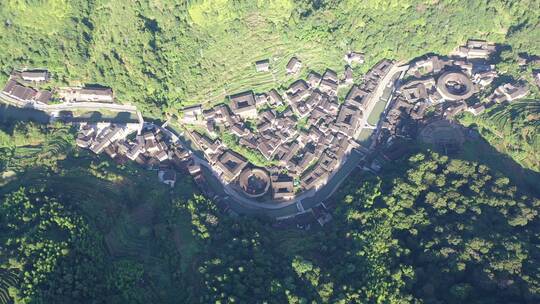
131 235
7 279
230 62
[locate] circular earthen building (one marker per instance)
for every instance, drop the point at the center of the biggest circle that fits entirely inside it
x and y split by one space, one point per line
455 86
254 182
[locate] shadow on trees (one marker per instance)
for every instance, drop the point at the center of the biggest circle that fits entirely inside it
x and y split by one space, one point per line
482 153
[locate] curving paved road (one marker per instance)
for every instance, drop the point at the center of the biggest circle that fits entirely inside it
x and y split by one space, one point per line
311 198
241 204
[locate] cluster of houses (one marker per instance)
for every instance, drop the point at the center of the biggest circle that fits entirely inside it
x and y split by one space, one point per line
449 82
24 87
305 141
153 147
20 86
303 133
526 60
294 65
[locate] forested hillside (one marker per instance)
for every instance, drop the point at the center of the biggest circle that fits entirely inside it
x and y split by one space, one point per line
429 229
75 228
164 54
447 231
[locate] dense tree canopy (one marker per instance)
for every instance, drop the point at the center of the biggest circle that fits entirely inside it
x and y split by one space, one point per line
446 231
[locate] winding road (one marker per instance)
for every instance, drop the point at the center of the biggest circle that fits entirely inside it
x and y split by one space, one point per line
310 198
238 203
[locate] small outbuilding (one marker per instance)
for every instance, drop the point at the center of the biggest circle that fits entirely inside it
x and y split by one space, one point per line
35 76
354 57
262 65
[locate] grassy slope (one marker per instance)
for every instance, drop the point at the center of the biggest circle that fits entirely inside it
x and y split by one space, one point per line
173 54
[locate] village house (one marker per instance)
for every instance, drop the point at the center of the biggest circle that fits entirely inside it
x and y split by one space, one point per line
536 75
90 94
475 49
105 138
275 98
18 91
299 86
455 109
347 119
508 92
43 96
485 78
191 113
314 79
418 90
329 83
282 186
429 65
136 149
261 99
82 141
293 66
357 97
26 94
477 109
230 164
243 105
207 145
315 178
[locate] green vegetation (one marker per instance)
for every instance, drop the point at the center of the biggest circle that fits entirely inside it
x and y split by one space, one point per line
512 129
438 230
58 234
174 53
47 240
448 218
302 124
373 118
25 145
78 228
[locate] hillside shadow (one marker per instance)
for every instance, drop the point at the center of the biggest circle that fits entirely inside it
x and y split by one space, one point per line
10 115
97 117
474 149
482 152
